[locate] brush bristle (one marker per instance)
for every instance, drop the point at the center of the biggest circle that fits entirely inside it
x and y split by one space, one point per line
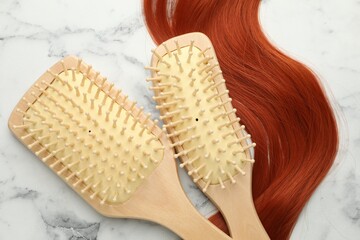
90 134
198 115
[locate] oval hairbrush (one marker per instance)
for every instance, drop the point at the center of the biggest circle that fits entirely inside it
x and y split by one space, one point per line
105 148
198 115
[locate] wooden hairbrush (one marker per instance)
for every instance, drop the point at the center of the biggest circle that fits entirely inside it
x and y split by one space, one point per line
198 115
105 148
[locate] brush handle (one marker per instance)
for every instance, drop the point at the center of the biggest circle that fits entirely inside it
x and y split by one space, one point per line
181 217
172 209
247 224
236 205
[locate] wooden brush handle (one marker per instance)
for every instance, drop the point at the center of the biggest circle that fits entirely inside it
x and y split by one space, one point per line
237 207
248 225
171 208
182 218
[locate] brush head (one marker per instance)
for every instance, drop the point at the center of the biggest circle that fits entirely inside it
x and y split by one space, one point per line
85 130
195 106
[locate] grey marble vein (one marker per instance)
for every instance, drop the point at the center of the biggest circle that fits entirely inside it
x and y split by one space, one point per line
69 227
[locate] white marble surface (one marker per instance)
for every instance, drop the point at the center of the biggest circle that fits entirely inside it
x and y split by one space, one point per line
110 34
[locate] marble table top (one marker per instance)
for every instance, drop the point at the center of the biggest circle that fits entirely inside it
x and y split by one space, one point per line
111 35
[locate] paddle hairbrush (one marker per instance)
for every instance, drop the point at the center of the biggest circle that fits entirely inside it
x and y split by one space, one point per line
105 148
198 114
